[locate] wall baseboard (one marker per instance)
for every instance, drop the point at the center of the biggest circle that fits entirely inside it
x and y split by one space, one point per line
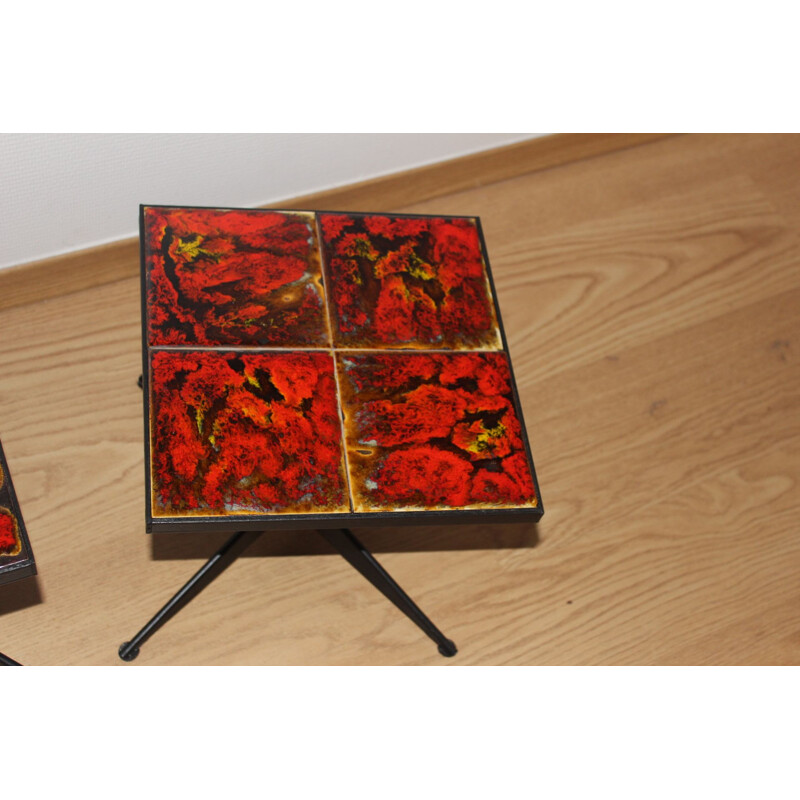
83 269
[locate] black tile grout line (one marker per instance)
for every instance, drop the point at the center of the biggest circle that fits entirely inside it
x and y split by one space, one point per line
339 404
326 295
235 348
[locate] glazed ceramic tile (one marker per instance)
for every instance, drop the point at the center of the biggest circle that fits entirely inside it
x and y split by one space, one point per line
433 431
407 282
245 433
233 277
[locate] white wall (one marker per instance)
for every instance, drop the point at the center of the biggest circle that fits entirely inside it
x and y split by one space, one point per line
63 192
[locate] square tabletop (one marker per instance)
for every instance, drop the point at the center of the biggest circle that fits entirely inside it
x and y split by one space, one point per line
325 369
16 556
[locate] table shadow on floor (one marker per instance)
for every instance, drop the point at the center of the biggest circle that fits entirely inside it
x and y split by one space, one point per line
20 594
171 546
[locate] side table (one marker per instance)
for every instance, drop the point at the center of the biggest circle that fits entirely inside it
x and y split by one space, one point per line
321 370
16 556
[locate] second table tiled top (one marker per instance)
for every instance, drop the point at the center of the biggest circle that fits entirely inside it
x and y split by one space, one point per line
16 557
325 363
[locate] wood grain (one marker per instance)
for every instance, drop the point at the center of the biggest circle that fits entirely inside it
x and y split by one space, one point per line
106 263
651 299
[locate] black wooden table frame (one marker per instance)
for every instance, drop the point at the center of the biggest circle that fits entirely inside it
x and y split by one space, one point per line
246 529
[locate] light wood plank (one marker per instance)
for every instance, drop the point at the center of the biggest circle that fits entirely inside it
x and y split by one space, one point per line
651 298
106 263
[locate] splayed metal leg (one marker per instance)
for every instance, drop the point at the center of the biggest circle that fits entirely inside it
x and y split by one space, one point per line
343 541
359 557
5 661
217 564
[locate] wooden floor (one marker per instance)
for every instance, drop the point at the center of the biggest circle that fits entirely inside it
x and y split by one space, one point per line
652 302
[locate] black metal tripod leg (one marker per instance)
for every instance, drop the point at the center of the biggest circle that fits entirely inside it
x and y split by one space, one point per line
5 661
360 558
215 565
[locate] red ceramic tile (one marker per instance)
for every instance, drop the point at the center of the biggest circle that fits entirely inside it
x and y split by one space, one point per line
245 433
407 282
433 431
233 277
10 542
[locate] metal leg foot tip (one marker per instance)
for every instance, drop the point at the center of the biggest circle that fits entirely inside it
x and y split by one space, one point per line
448 648
127 653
